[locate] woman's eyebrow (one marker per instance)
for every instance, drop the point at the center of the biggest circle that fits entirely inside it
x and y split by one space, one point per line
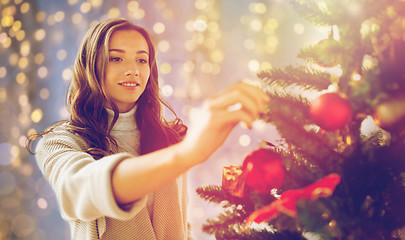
123 51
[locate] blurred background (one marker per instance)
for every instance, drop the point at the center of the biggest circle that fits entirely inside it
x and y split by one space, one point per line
203 46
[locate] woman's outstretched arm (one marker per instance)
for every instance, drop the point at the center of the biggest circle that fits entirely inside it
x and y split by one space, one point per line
210 125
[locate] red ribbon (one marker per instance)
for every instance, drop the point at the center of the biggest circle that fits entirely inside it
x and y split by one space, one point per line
287 202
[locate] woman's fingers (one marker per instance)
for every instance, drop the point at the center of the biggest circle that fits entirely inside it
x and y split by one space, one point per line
241 96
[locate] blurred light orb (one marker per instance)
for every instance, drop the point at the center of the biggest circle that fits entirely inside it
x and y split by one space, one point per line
42 72
20 35
22 140
258 8
299 28
85 7
23 100
217 56
272 41
3 72
39 58
163 46
51 20
61 54
254 65
23 62
189 66
7 21
16 26
132 6
200 25
96 3
77 18
200 4
356 76
159 28
272 23
42 203
67 74
114 12
40 17
13 59
59 16
25 7
256 25
138 14
167 90
25 48
165 68
72 2
36 115
244 140
39 34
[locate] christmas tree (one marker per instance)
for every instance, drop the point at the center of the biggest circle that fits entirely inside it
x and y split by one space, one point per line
327 178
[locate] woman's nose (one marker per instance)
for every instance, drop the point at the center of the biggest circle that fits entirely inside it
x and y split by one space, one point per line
132 69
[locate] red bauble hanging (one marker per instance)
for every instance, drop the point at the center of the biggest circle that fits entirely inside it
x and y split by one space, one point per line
331 111
263 170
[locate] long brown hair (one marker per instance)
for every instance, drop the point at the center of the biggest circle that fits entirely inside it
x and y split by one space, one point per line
86 98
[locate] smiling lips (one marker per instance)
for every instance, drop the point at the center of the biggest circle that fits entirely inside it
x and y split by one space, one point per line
129 85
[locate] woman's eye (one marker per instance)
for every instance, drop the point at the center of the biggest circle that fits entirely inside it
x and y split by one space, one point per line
142 60
115 59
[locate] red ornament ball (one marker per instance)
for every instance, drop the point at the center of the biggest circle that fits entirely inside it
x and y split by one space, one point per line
331 111
263 170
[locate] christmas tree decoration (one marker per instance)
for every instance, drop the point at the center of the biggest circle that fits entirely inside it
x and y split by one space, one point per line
233 181
389 114
263 170
347 181
329 53
331 111
288 200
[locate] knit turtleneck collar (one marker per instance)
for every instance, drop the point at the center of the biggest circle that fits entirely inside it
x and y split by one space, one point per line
125 122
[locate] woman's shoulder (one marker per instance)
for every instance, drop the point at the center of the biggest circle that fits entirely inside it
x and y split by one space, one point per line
63 133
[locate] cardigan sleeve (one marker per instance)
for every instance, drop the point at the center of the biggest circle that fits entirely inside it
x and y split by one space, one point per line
82 184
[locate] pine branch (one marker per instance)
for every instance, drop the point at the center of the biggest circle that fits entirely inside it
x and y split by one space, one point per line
217 195
292 107
231 217
311 11
312 146
305 78
298 174
259 234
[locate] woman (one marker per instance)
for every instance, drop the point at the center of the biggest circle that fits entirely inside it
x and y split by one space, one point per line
117 165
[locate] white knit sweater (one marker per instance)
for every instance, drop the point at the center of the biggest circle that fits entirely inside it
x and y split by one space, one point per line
83 189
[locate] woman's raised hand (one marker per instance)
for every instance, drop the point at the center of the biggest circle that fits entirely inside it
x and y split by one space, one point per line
211 124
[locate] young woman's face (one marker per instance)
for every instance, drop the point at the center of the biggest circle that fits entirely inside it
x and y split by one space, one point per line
128 68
